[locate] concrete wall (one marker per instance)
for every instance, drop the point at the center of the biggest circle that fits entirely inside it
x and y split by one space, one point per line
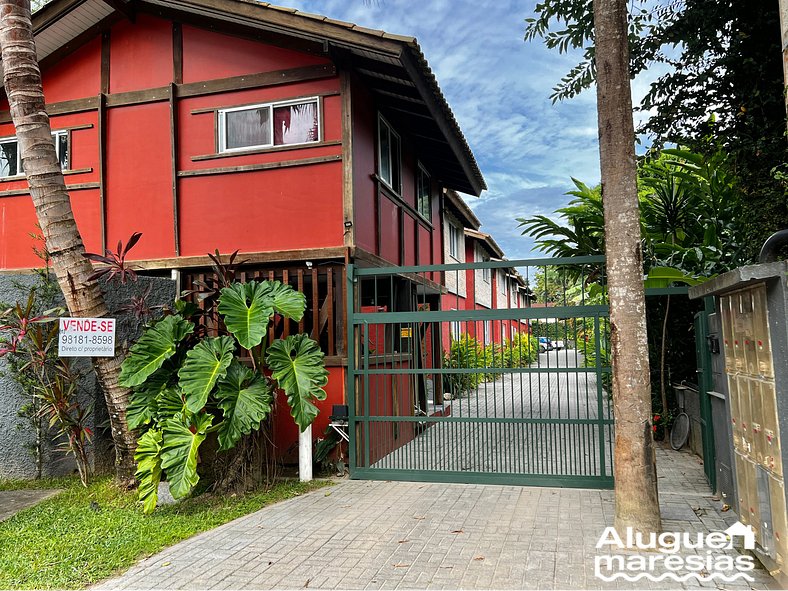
17 434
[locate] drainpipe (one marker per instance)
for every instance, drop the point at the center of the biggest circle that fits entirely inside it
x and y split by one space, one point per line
772 246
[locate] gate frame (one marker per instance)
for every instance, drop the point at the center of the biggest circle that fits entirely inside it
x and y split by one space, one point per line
357 319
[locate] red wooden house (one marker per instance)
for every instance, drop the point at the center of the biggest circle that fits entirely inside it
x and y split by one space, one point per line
477 289
305 142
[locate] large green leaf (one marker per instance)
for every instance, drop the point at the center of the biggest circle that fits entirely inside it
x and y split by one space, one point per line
141 409
246 309
297 365
154 347
179 452
665 276
205 365
148 458
245 397
169 404
285 300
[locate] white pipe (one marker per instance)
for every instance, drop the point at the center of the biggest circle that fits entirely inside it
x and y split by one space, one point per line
305 454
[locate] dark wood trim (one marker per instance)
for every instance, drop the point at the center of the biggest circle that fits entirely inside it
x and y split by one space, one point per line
262 166
398 200
78 41
261 80
174 168
105 60
265 150
446 127
347 157
368 259
335 361
250 258
73 127
102 155
78 171
21 177
152 95
124 7
138 97
26 191
177 53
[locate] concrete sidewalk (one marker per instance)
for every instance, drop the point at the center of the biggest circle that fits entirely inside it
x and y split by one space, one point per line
387 535
13 501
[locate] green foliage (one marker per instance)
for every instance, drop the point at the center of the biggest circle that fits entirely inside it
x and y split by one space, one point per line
722 59
468 353
296 362
152 349
245 399
205 365
187 385
85 535
29 343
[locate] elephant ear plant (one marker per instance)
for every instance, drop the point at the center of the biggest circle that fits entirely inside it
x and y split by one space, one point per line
186 386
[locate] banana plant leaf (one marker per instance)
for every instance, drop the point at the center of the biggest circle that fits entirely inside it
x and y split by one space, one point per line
179 452
296 363
245 397
148 458
153 348
205 365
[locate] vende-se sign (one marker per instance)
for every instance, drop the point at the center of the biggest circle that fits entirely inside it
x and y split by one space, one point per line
87 337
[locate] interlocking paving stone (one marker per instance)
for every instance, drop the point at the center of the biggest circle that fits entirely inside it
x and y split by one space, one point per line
399 535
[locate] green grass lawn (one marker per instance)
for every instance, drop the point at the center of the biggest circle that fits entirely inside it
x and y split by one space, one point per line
84 535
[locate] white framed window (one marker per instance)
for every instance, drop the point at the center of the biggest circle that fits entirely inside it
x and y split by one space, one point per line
487 332
454 241
423 196
455 328
11 157
389 163
484 259
285 123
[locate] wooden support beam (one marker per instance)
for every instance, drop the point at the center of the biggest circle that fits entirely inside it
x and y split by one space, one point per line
257 167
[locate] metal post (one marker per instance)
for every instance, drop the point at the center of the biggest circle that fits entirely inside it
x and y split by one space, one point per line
305 454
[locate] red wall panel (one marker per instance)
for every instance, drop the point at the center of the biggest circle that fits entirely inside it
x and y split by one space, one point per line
140 54
76 76
389 231
139 187
410 243
364 158
278 209
208 55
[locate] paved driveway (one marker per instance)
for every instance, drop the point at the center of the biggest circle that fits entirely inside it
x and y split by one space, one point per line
386 535
557 391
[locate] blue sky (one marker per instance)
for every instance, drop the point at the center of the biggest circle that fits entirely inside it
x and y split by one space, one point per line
498 87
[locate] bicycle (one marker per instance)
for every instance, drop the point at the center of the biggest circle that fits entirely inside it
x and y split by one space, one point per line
680 428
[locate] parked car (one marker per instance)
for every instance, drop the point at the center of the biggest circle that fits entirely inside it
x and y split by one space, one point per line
545 344
558 345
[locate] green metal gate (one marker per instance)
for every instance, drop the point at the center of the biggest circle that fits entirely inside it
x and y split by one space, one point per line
444 388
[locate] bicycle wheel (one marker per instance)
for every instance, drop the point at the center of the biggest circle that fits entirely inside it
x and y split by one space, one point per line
679 432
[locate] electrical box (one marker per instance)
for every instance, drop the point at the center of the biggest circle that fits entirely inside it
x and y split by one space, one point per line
752 303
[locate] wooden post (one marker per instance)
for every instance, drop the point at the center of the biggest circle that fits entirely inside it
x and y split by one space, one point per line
305 454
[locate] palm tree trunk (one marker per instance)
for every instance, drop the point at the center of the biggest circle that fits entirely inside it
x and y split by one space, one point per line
22 79
634 466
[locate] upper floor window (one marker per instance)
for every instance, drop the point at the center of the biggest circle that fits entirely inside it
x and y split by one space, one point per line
389 163
454 241
272 124
485 272
11 158
423 193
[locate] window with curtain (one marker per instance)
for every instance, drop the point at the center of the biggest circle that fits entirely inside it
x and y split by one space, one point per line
389 163
268 125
